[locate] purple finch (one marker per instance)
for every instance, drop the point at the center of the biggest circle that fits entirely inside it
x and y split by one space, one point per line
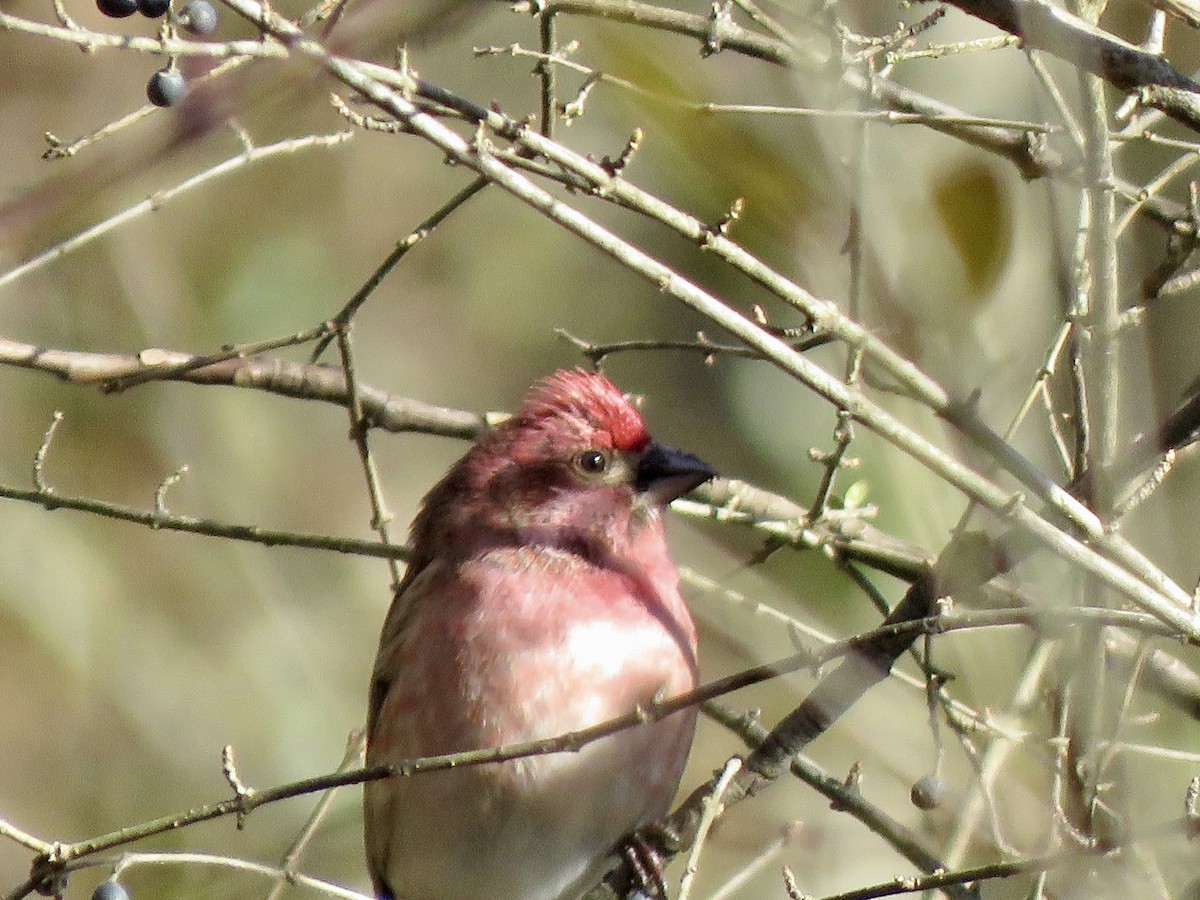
540 599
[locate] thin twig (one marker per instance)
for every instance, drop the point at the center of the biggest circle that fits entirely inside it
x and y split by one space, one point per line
158 200
381 516
712 809
288 871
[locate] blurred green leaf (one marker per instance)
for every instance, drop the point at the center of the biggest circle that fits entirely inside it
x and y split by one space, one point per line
975 212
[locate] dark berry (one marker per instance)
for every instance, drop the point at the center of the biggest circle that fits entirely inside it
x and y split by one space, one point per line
199 17
110 890
166 87
928 792
152 9
117 9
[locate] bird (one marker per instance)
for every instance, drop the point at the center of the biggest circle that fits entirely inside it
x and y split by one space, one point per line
540 598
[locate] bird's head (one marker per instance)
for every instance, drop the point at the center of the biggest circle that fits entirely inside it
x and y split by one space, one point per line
575 465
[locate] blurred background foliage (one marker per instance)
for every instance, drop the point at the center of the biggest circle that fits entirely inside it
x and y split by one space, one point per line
129 657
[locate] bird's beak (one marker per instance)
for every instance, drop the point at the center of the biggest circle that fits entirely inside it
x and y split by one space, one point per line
664 473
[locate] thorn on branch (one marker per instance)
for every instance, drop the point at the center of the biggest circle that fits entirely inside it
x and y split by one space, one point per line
970 406
790 886
160 495
614 167
39 458
1191 817
851 784
587 348
574 109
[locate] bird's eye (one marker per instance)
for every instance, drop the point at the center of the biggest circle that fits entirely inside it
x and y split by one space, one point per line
592 462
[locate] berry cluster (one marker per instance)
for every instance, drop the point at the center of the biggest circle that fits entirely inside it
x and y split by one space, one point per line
199 17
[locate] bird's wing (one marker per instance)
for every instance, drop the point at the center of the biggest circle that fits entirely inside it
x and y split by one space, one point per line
395 627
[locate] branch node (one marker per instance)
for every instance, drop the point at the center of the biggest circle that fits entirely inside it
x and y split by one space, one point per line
720 27
721 229
1148 485
58 148
367 123
241 792
574 109
47 874
480 146
1013 504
